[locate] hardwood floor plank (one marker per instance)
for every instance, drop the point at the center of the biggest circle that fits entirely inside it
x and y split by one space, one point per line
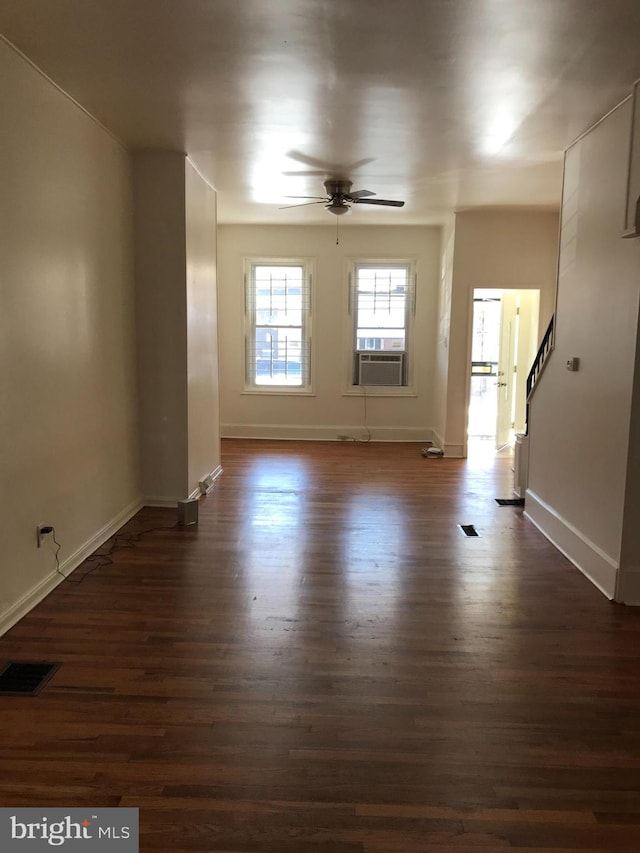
325 664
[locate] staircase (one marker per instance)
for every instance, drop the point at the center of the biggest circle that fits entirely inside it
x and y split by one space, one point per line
538 365
521 449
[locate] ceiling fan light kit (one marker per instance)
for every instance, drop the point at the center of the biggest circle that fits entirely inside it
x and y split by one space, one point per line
338 208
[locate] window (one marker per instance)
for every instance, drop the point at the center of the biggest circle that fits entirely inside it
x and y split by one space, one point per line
382 296
278 324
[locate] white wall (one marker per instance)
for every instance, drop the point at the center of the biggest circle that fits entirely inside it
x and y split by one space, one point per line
493 249
175 246
580 421
441 372
330 410
68 440
160 252
202 329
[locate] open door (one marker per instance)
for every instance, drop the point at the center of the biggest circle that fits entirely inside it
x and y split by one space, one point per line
526 349
503 346
518 344
505 380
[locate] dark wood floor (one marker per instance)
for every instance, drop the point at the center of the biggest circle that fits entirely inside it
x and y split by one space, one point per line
327 665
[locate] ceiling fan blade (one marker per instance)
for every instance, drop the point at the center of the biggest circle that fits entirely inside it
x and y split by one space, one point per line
304 204
382 201
360 194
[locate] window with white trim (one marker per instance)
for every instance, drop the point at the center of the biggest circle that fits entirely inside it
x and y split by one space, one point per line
278 324
382 306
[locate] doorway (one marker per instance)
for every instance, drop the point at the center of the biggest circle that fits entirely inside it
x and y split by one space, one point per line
504 341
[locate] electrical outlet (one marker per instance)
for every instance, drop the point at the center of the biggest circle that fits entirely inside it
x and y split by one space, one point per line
43 530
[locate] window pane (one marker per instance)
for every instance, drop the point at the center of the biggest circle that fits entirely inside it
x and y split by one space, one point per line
381 306
486 330
382 339
278 295
278 312
278 356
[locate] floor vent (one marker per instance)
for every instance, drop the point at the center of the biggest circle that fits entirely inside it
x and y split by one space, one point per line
25 679
468 529
510 501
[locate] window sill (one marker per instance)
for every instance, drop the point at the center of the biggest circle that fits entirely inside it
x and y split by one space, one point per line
379 391
279 392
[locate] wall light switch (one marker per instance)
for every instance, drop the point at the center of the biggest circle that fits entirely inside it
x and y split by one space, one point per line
573 363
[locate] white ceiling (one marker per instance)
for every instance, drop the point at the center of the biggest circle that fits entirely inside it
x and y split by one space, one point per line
447 104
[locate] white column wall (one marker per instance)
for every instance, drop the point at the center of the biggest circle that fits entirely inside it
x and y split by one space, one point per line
161 309
202 330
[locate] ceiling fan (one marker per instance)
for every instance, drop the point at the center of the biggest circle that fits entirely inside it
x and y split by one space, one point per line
339 198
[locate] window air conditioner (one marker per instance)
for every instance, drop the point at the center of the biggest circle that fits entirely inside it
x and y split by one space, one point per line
380 368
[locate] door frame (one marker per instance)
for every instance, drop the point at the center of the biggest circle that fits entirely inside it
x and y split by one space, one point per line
470 299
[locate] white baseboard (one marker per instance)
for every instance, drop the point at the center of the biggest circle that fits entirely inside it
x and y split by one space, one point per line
585 555
163 500
15 612
457 451
198 492
171 502
296 432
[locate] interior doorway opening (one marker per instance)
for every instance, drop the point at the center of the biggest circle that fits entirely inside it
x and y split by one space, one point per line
504 340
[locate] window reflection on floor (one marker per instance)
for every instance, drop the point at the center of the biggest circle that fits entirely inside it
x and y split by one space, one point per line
273 542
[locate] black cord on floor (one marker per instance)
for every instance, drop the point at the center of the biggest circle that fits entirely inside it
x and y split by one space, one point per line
127 539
